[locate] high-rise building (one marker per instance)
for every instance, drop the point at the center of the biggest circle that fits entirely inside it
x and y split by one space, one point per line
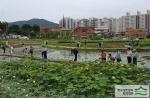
103 26
148 22
93 22
112 25
66 23
139 21
132 22
83 23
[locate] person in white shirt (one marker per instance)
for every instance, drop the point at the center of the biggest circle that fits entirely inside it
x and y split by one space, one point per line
11 49
78 44
25 50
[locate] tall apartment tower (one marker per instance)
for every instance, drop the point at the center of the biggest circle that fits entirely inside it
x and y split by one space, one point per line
66 23
148 21
93 22
138 21
83 23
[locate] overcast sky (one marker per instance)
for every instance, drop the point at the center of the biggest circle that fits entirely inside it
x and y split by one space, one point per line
53 10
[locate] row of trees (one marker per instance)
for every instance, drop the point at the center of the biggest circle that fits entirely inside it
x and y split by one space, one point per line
26 29
32 31
3 27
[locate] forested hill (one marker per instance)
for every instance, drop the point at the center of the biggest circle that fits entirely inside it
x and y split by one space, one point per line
40 22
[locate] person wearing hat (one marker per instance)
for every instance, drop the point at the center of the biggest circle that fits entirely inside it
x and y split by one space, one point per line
135 57
103 55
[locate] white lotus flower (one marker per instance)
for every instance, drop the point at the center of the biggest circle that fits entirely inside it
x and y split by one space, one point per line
100 73
24 90
26 95
113 77
8 87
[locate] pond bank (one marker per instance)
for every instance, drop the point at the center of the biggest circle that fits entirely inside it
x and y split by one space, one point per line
96 49
147 49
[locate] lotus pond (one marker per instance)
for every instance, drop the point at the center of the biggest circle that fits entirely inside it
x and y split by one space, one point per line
40 79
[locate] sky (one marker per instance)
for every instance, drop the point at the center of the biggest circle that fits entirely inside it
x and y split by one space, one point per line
54 10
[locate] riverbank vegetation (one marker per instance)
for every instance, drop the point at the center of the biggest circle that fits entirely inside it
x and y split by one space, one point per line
31 79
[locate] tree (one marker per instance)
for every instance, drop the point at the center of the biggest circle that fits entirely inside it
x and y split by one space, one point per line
3 27
14 29
26 29
35 30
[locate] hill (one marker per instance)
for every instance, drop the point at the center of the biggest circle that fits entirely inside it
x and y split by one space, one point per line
40 22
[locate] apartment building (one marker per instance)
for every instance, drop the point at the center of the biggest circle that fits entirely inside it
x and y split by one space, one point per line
111 25
93 22
70 23
138 21
83 23
67 23
103 26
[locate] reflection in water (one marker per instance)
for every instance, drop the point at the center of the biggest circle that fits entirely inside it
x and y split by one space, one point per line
6 58
82 56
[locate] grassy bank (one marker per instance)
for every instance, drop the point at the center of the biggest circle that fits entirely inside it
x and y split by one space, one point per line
92 45
36 79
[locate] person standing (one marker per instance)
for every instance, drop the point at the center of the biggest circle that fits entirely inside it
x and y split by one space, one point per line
75 52
135 57
31 51
4 49
103 55
44 52
11 49
78 44
46 42
118 56
25 50
129 56
110 58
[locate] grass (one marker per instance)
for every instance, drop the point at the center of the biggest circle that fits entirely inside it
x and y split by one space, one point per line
69 43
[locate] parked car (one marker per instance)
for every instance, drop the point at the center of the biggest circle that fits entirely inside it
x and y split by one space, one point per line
24 38
124 39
